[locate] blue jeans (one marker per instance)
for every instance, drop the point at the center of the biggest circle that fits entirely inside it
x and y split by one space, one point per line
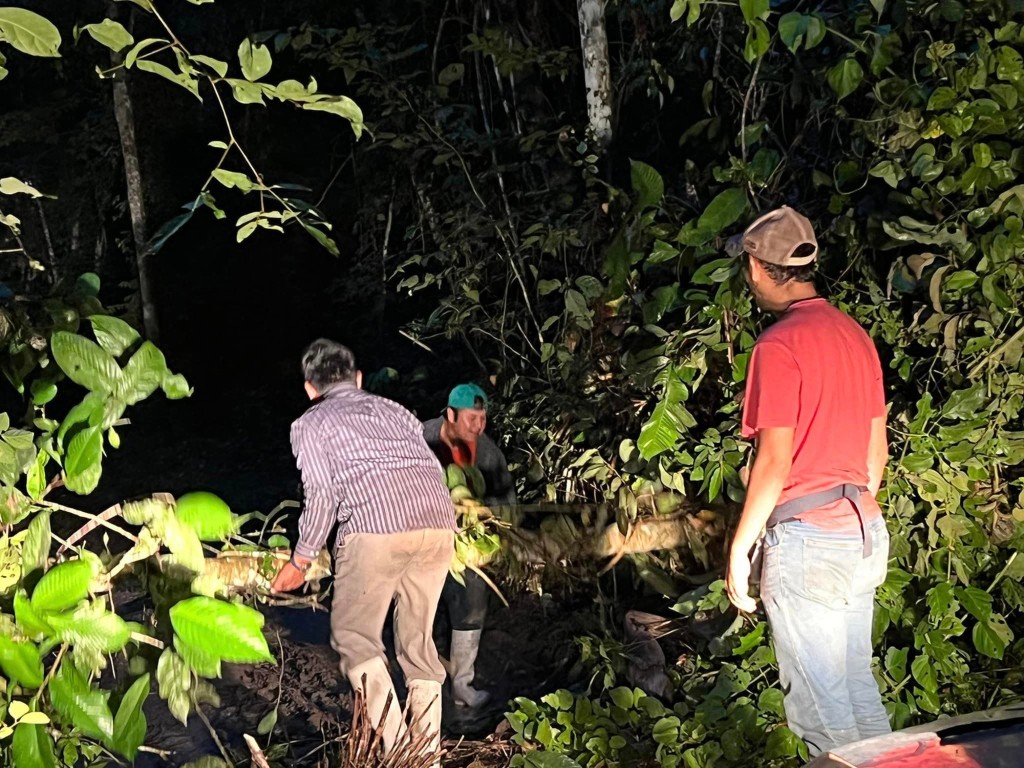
818 590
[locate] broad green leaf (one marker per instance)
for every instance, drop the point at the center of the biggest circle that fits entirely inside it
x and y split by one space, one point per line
92 628
329 245
28 620
83 464
845 76
36 548
578 309
144 373
231 631
754 9
539 759
978 602
992 636
113 334
234 180
266 726
85 362
188 82
32 746
661 432
801 29
924 673
758 40
130 720
343 106
255 59
175 386
202 661
648 185
246 92
218 66
21 663
139 48
111 34
35 480
184 544
63 586
690 7
29 32
723 211
210 522
12 186
81 704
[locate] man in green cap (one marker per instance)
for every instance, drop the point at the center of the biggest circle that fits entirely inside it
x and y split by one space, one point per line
457 437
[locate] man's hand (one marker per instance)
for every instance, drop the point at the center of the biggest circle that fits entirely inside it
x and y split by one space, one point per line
289 577
737 582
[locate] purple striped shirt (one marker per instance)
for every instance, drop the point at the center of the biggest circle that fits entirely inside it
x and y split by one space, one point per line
366 466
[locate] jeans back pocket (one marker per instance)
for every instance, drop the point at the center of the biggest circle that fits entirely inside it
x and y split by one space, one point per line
829 568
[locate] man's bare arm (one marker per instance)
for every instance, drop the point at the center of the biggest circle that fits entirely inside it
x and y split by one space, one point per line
878 454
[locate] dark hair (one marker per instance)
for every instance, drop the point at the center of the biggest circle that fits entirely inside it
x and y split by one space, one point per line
801 274
327 362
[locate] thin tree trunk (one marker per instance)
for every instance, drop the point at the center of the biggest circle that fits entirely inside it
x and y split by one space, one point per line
596 69
136 204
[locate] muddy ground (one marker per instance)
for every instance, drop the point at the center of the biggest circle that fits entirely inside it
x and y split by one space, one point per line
526 650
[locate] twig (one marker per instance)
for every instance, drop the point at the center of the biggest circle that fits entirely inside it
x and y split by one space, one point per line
216 739
259 760
746 105
102 518
280 689
995 354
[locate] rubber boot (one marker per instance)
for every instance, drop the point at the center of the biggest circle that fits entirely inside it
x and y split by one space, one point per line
424 707
465 646
378 687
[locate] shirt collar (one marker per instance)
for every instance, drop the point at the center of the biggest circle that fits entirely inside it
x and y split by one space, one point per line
338 388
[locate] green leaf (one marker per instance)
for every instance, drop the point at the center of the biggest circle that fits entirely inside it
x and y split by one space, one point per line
32 746
21 663
175 386
343 106
978 602
754 9
111 34
113 334
758 41
83 464
12 186
63 586
690 7
578 309
801 29
36 548
92 628
723 211
218 66
28 620
230 631
782 743
184 544
80 704
246 92
234 180
210 522
992 636
539 759
255 59
130 720
138 48
29 32
266 726
85 362
845 76
328 244
144 373
661 432
924 673
35 480
647 184
187 82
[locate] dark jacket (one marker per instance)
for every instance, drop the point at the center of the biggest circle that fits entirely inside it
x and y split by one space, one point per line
489 460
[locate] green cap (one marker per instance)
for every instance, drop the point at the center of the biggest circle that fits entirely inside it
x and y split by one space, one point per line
467 396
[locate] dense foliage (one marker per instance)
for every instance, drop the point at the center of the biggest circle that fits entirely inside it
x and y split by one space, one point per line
590 286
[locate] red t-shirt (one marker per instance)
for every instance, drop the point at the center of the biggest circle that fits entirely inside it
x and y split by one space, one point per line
816 370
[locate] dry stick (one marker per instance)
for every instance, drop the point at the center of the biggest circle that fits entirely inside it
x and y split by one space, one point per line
259 760
216 739
280 683
103 518
995 354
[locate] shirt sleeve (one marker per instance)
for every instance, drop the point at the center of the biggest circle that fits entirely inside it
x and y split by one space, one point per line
772 396
321 501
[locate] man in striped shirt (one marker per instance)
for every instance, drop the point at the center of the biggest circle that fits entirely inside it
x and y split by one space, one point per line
366 467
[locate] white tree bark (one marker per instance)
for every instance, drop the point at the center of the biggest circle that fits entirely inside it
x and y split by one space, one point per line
596 69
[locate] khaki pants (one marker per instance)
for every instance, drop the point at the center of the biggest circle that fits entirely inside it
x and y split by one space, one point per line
372 570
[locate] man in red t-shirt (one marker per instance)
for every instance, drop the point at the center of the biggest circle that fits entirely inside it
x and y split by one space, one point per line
816 408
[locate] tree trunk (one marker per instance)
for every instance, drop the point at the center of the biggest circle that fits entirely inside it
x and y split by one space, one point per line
596 69
136 203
